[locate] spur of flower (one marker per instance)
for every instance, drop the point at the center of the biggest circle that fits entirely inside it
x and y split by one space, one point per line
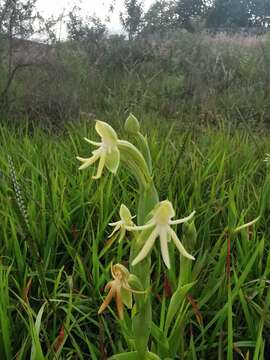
160 224
121 225
107 153
120 290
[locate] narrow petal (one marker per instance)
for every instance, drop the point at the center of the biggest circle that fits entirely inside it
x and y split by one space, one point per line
108 285
100 166
117 227
122 235
113 160
133 290
179 245
119 304
181 221
93 142
143 227
241 227
82 159
107 300
87 161
146 248
164 247
119 222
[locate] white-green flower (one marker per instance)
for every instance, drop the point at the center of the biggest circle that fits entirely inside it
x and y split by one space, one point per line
123 223
160 224
107 153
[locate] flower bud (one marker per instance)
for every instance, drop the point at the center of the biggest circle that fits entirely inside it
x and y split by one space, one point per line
190 235
132 124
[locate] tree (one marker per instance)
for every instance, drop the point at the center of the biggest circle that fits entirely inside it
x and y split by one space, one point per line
188 10
88 30
260 10
89 33
17 18
160 18
239 13
230 13
133 17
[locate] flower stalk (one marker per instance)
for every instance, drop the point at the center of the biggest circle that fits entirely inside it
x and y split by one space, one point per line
154 221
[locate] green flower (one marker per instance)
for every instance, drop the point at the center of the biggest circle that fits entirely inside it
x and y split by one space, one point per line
107 153
121 225
160 224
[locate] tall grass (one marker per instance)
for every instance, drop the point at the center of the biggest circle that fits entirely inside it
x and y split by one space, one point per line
178 75
53 267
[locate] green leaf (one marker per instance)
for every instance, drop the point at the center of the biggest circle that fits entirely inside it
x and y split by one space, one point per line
36 350
175 303
134 355
159 336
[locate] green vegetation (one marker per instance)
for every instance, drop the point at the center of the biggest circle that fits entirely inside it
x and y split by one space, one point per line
203 99
198 78
56 255
169 62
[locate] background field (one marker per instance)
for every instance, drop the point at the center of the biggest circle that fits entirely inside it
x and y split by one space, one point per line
196 75
182 76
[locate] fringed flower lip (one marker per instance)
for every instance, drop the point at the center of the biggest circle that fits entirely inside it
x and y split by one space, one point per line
160 224
107 153
119 289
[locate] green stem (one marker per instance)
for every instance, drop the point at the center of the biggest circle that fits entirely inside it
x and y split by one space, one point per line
141 322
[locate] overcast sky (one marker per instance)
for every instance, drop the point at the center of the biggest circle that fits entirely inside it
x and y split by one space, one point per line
90 7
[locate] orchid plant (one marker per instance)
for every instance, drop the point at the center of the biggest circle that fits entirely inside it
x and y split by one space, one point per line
154 219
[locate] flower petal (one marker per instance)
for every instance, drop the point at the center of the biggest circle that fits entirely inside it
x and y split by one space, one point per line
87 161
146 248
185 219
119 222
164 247
125 215
143 227
113 160
117 227
106 131
121 235
119 304
107 300
100 166
179 245
241 227
93 142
